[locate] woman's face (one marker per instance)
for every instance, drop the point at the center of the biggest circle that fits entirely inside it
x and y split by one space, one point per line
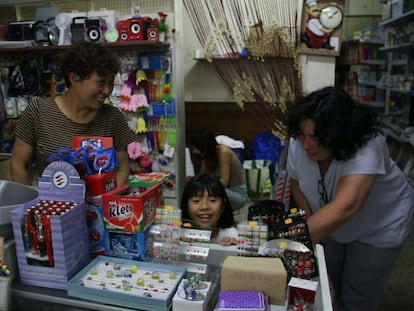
205 211
310 143
197 153
94 90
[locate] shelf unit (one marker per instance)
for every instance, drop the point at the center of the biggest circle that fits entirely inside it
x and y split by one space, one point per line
25 10
398 82
370 69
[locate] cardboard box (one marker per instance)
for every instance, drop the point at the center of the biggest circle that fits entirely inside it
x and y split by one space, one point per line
60 182
95 225
98 184
255 274
125 245
302 291
131 209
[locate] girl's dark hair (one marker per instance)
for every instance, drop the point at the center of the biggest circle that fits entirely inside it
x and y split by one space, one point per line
196 187
85 58
205 141
342 125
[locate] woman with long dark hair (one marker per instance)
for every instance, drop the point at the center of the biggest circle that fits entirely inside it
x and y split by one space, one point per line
221 161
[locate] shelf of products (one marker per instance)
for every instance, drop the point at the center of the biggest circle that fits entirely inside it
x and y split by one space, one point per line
370 69
398 81
29 47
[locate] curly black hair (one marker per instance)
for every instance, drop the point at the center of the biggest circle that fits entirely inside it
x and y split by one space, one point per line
86 58
342 125
196 187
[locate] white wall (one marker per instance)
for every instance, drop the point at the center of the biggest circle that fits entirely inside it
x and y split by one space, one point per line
200 80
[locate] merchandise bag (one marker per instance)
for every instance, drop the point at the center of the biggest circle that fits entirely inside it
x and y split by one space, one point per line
259 178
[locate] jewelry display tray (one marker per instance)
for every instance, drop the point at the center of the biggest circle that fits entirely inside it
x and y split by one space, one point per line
162 290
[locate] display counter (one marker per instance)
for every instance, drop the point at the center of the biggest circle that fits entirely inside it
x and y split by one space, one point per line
26 297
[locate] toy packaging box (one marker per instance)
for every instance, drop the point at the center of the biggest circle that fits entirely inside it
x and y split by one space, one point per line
131 209
255 274
50 231
125 245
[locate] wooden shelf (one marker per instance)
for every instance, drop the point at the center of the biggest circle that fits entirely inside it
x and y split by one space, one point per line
141 45
399 48
399 20
375 62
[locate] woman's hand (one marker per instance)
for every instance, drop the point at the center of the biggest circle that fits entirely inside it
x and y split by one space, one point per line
227 241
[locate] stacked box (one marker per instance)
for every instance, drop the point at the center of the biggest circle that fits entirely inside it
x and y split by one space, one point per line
255 274
59 182
128 212
125 245
96 186
131 209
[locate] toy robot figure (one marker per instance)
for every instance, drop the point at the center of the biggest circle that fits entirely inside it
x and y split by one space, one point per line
316 36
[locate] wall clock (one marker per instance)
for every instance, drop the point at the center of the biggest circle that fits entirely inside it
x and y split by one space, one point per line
331 16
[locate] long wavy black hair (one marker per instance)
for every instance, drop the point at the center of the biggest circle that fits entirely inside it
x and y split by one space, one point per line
342 125
196 187
205 141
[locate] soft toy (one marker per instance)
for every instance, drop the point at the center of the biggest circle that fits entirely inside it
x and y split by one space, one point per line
138 102
145 163
126 92
141 126
134 150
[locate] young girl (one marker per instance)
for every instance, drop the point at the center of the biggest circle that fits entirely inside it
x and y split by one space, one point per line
205 203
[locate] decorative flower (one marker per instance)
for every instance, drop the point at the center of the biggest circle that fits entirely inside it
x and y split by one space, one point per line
162 24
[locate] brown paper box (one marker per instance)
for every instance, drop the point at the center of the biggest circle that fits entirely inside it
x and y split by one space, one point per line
259 274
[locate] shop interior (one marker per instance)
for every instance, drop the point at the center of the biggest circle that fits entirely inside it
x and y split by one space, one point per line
194 76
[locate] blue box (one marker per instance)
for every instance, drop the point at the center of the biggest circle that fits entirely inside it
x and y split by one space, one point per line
92 283
125 245
60 181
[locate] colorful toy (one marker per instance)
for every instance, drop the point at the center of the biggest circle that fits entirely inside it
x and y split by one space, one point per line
134 150
145 163
141 127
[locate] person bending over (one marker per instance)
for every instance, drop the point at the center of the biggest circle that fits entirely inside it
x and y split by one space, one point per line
357 201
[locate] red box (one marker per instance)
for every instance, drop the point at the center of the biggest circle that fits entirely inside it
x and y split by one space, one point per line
98 184
125 211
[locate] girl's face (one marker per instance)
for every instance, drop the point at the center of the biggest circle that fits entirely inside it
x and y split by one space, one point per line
310 143
205 210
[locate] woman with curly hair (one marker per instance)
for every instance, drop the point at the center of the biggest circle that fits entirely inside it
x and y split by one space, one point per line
50 123
357 200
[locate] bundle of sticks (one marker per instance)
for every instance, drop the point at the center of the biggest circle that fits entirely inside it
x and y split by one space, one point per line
252 44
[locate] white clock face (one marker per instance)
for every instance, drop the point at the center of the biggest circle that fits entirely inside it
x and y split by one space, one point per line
331 16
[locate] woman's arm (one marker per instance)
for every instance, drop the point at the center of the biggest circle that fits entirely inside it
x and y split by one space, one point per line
122 174
21 156
299 197
349 200
225 161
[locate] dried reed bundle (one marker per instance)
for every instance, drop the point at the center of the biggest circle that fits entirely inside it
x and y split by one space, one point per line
252 46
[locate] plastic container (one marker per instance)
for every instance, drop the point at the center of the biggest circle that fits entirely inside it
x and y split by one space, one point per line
12 195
